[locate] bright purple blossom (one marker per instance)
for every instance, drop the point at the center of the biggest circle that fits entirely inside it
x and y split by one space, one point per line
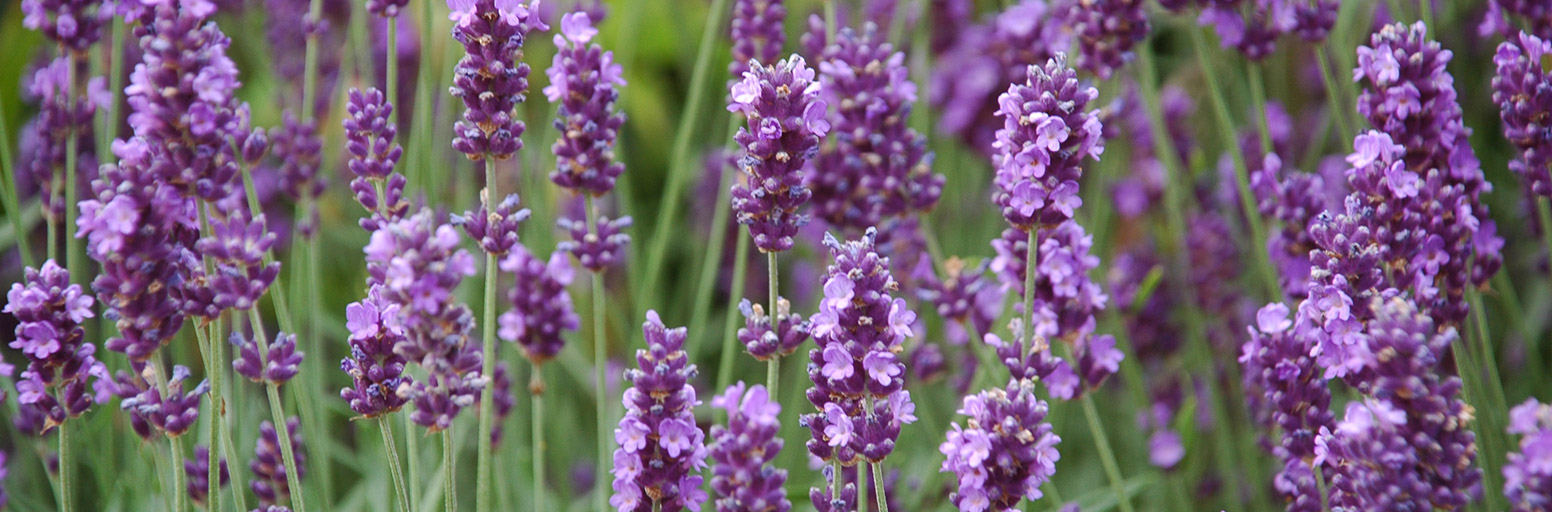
541 309
63 377
370 132
1277 363
761 340
1004 452
237 247
988 57
172 413
491 78
584 82
75 25
1522 88
1528 473
378 383
785 120
299 147
279 363
757 33
494 229
598 250
1045 138
1107 30
63 113
662 451
745 478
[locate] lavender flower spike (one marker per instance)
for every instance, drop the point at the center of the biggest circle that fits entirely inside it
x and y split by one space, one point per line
1107 30
280 363
63 378
1045 137
1277 362
173 413
595 251
1004 452
757 33
369 132
1527 476
785 122
541 307
268 465
584 81
661 450
745 478
1522 89
75 25
491 78
197 470
763 342
494 229
378 383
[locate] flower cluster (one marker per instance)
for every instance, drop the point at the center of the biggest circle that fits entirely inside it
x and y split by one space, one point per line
1107 30
503 398
1005 451
757 33
378 383
75 25
583 82
63 377
62 114
598 250
494 229
1277 363
418 265
785 122
268 463
278 364
1371 463
661 449
964 297
1294 199
288 25
237 247
1535 15
986 57
745 477
172 413
541 307
1065 297
859 380
299 147
763 342
1250 26
491 78
1045 137
1522 88
369 133
197 470
1527 476
875 168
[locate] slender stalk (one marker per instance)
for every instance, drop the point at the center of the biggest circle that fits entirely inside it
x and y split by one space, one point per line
862 488
65 462
1241 174
668 209
773 367
392 451
314 421
835 480
449 454
310 72
53 234
278 411
537 388
8 191
711 263
74 253
238 487
600 363
175 445
830 21
423 108
1102 444
488 365
1258 101
217 411
392 73
1335 97
1544 214
730 323
878 485
110 123
1486 397
412 460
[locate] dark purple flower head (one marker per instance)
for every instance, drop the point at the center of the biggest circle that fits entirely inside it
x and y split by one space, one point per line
491 78
1278 364
959 295
598 250
876 167
1106 31
299 147
1535 15
541 309
1251 26
197 471
279 364
61 113
1372 463
765 343
859 378
1096 358
1004 452
237 247
757 33
584 82
1045 137
661 449
172 413
75 25
494 229
987 57
785 120
1065 297
1527 475
63 377
1293 199
745 478
1523 91
287 26
378 383
369 133
825 501
269 466
1315 19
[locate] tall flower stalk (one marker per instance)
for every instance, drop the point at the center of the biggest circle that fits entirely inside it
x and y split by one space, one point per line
540 314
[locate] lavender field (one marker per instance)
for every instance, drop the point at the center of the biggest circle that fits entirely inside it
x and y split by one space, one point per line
773 255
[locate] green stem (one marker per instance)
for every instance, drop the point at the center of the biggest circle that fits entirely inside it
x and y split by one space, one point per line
773 367
8 191
835 480
863 490
537 388
449 455
392 451
178 495
412 460
668 209
73 250
282 432
315 421
392 72
600 364
423 106
730 322
1335 97
878 478
53 234
1488 399
65 463
1031 262
238 487
1106 455
1241 174
310 71
217 408
488 365
1258 101
830 21
110 123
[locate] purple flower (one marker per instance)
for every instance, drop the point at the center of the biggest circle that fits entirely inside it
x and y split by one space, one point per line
172 413
1065 301
268 464
1004 452
1106 31
75 25
1522 88
1278 364
584 82
490 79
386 8
1253 26
541 307
1165 449
1293 199
1528 473
761 340
197 470
62 375
858 394
495 229
745 477
988 57
957 295
1533 14
237 247
876 169
369 132
279 363
1046 135
62 113
595 251
376 371
785 122
661 449
299 147
757 33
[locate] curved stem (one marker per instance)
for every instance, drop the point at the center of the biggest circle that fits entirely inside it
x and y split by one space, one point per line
1106 456
773 367
1335 97
1031 263
422 136
668 209
600 363
217 409
391 449
711 265
449 454
537 388
488 364
277 410
1258 101
412 461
